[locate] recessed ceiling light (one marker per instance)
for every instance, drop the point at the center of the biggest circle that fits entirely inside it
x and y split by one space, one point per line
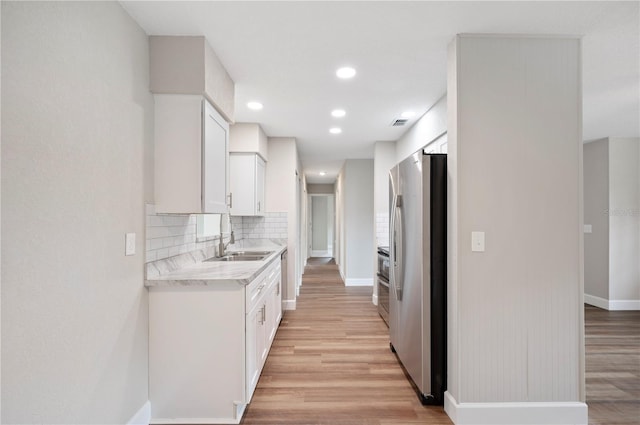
338 113
322 173
256 106
335 130
346 72
408 114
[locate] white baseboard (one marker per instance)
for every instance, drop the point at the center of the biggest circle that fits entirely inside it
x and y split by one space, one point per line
320 253
288 304
374 299
195 421
624 304
617 305
142 416
524 413
596 301
358 282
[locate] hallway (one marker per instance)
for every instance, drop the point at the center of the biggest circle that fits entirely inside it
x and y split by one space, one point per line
330 363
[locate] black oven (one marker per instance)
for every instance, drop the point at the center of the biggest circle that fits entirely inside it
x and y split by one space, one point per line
383 283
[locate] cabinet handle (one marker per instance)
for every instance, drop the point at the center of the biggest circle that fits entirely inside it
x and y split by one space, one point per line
264 313
230 195
279 283
258 205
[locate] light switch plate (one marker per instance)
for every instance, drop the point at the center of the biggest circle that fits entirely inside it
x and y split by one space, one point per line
129 244
587 228
477 241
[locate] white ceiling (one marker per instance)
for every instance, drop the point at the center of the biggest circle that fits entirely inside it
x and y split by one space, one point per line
285 54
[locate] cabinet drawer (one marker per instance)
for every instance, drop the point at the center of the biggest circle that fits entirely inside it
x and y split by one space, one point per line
265 280
256 291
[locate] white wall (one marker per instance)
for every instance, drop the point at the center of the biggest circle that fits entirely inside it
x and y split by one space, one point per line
0 216
340 235
319 223
384 159
624 217
596 205
78 117
515 313
612 208
248 137
280 195
357 218
428 128
321 188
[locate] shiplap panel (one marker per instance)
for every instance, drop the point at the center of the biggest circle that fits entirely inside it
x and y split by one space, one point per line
516 147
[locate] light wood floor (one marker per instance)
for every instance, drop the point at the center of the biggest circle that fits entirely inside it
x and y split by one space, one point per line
330 364
612 357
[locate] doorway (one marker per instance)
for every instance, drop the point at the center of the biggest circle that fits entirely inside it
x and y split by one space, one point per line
321 225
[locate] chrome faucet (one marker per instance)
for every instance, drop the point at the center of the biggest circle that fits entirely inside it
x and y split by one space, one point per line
221 245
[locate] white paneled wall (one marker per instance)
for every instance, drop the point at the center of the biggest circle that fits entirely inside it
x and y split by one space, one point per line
515 323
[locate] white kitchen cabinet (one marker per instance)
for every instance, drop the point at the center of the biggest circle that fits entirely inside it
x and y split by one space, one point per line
247 175
256 345
191 153
208 345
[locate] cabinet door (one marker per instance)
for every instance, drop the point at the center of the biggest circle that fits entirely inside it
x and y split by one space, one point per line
215 151
260 177
242 169
255 346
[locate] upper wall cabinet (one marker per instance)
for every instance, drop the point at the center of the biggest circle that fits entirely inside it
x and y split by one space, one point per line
191 156
247 184
194 102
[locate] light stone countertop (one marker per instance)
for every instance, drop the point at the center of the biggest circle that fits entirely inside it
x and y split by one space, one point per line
192 270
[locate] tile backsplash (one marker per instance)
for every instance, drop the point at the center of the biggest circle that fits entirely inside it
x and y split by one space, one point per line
271 226
382 229
169 235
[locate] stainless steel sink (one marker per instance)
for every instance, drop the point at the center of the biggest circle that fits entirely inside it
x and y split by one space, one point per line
238 258
240 253
242 256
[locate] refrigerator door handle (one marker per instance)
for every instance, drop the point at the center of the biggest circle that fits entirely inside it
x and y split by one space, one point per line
396 263
392 248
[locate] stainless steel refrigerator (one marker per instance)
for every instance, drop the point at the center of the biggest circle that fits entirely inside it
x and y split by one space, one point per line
418 271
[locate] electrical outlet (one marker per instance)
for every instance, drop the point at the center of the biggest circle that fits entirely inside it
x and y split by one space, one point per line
129 244
477 241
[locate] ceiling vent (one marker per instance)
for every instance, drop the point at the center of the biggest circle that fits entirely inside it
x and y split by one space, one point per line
399 122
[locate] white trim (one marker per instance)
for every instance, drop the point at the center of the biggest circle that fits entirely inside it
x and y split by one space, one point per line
142 416
624 304
521 413
374 299
195 421
320 254
359 282
596 301
612 305
288 304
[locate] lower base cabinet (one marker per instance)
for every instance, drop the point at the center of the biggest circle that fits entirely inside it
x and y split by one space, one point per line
208 345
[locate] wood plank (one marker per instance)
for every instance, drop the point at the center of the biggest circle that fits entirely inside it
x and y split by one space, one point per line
330 364
612 356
